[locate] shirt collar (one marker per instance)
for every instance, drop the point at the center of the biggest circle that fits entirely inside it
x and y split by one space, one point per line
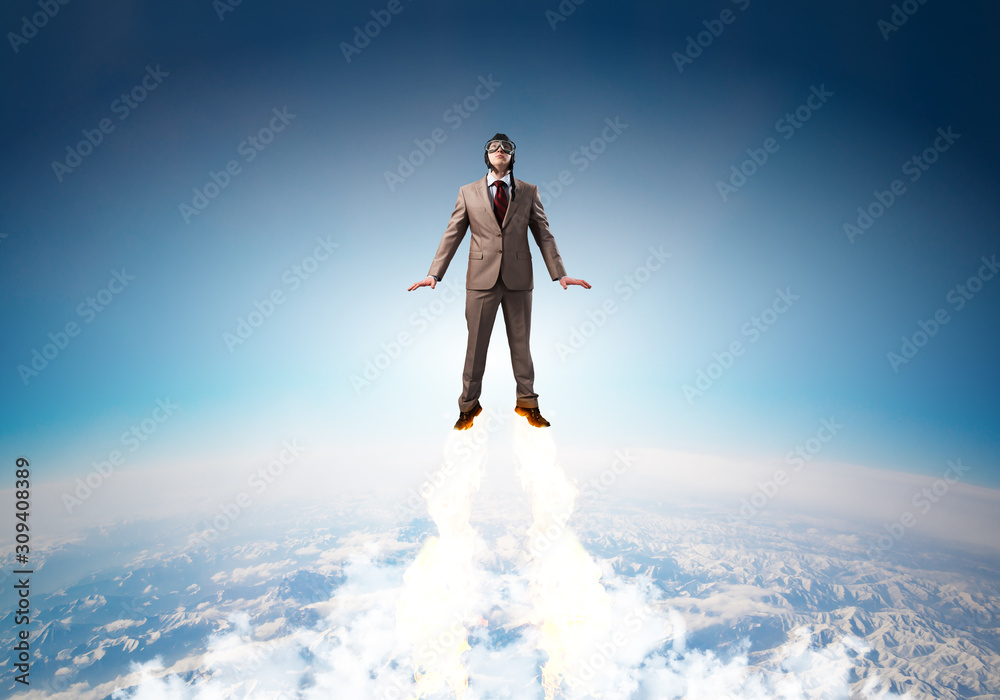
491 178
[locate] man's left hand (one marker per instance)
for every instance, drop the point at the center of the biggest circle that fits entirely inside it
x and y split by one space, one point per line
566 281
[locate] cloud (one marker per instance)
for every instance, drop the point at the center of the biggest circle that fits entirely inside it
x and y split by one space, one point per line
543 621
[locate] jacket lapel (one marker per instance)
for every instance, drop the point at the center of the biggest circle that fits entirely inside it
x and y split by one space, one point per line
515 206
483 195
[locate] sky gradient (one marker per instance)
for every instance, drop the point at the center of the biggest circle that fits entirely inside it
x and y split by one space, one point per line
173 173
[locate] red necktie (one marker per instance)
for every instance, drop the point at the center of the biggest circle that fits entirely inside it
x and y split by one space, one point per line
500 201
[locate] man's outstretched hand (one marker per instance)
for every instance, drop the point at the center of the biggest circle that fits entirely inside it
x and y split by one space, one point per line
425 282
566 281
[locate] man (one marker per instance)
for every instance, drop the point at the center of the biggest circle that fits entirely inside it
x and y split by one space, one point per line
499 210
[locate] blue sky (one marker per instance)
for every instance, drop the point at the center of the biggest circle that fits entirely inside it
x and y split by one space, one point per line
833 107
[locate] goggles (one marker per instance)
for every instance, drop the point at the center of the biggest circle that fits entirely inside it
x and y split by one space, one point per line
505 146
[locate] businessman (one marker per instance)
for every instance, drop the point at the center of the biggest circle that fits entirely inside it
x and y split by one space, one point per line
499 210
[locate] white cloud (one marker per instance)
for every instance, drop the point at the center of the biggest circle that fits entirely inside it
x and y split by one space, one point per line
401 626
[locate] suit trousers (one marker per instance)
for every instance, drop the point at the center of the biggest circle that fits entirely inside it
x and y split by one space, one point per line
480 314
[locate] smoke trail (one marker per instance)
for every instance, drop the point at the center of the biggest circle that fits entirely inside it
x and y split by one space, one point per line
440 599
589 639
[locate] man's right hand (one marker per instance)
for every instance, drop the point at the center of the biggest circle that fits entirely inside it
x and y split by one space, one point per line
425 282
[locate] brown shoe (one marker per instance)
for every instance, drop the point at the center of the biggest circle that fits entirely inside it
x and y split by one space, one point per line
464 421
533 415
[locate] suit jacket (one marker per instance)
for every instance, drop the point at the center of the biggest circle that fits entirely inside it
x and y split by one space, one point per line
496 249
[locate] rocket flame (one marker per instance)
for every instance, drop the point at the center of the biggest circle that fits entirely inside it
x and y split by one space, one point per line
440 593
578 627
571 607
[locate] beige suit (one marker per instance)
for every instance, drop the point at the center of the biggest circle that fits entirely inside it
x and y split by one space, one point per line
499 275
